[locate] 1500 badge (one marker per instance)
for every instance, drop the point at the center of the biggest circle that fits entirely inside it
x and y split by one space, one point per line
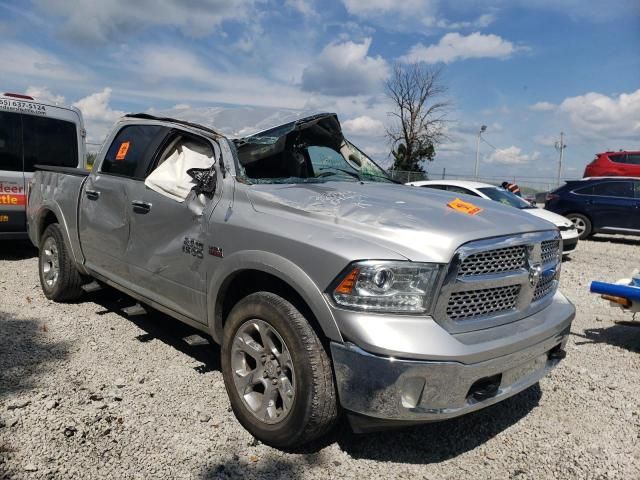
193 247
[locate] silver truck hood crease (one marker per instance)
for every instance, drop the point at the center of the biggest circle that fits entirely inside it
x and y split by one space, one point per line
414 222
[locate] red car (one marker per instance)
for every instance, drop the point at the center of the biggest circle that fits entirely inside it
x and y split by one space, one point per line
608 164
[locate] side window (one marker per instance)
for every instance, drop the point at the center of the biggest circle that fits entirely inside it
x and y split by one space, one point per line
614 189
636 187
131 150
49 141
584 190
434 187
464 191
10 142
620 158
633 158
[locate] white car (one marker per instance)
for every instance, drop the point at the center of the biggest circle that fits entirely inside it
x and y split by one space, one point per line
498 194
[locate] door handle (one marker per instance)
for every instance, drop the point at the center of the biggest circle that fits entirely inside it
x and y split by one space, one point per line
92 194
141 207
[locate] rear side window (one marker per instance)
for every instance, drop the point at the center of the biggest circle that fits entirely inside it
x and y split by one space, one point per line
633 158
434 187
10 142
614 189
620 158
132 150
48 141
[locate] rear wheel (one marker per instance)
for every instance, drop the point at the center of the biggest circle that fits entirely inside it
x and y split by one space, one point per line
59 278
582 223
276 372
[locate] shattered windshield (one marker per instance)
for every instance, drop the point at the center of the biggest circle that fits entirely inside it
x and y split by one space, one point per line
311 150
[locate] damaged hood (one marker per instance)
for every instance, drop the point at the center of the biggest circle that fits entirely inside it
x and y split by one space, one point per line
417 223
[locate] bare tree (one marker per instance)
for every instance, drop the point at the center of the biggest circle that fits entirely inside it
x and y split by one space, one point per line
419 118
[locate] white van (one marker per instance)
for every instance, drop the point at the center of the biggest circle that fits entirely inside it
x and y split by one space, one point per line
33 133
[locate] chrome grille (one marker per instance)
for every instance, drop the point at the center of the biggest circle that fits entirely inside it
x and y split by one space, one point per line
478 303
499 280
500 260
545 285
550 251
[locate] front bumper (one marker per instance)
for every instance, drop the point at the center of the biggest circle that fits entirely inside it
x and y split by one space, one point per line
422 391
569 241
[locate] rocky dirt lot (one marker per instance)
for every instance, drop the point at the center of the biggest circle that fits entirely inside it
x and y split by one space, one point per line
86 392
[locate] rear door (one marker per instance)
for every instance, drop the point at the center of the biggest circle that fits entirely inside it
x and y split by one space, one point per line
12 181
612 205
105 204
635 215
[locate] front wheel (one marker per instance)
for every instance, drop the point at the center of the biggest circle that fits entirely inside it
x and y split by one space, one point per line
276 372
582 223
59 278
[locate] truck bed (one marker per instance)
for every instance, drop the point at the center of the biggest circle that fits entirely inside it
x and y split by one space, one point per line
56 190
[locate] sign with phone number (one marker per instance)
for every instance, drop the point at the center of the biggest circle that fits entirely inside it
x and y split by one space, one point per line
20 106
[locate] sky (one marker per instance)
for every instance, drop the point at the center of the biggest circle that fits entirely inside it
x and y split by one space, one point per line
526 69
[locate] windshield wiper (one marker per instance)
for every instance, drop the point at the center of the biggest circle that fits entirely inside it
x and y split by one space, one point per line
348 172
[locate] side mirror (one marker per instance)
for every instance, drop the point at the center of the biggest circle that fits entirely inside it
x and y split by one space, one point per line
205 180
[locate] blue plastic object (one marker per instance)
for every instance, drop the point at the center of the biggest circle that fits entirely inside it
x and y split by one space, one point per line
624 291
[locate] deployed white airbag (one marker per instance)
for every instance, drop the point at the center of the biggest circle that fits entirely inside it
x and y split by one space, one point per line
171 179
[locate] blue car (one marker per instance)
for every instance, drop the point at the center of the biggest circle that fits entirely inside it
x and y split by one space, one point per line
599 205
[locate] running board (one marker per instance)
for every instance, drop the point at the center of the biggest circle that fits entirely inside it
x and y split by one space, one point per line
92 287
134 310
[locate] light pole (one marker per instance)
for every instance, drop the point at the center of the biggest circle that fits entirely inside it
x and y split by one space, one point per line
560 146
482 129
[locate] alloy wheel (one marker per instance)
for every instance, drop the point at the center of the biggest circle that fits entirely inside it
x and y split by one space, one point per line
263 371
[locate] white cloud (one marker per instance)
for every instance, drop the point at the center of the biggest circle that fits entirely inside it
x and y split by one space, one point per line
483 21
305 7
24 61
98 115
368 8
454 46
345 69
545 140
92 22
510 156
363 125
413 15
44 94
543 107
603 116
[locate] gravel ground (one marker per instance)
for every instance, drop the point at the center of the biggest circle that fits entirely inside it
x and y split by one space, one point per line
86 392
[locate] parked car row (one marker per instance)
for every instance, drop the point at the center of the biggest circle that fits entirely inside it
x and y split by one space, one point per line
498 194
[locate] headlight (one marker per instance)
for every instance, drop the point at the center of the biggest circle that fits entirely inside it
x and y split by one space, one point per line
385 286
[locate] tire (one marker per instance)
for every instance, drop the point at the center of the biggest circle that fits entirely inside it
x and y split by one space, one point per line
582 223
312 410
59 278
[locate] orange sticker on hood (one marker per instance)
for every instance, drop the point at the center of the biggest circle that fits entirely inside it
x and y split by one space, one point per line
464 207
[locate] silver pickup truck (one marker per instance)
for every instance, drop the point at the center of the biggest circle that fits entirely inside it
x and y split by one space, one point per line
329 287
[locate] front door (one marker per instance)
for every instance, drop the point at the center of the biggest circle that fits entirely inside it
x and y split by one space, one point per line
167 252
